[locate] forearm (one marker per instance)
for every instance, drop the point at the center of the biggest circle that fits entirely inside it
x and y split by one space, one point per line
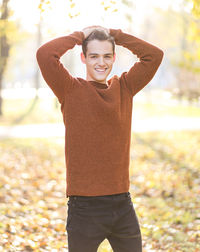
55 48
54 73
142 49
150 58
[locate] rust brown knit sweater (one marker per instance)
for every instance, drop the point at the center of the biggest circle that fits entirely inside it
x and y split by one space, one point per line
97 117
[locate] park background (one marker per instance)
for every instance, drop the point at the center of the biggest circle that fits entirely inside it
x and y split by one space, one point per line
165 144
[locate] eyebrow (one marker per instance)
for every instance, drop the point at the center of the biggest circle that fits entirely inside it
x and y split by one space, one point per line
98 54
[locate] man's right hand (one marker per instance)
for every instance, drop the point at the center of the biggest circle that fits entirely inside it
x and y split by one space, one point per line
90 29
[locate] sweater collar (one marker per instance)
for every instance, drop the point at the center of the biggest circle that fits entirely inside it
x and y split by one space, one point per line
99 85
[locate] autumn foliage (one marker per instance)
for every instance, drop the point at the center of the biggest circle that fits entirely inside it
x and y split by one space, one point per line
165 188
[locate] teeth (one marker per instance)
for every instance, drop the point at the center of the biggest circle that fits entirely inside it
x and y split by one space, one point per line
100 70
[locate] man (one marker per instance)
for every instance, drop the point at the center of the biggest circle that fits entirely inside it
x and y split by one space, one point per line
97 117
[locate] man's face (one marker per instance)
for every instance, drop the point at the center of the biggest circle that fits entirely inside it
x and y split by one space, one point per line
99 60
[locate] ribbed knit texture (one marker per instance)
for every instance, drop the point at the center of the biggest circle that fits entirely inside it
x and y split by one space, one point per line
97 117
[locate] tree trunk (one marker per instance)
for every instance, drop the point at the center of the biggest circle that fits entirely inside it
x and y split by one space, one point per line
37 73
4 49
1 100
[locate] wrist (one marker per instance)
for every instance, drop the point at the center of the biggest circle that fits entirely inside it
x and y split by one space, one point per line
78 36
88 30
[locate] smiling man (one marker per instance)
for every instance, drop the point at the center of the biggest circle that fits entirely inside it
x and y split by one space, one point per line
97 115
98 54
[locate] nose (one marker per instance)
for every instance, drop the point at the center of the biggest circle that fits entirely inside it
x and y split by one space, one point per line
101 61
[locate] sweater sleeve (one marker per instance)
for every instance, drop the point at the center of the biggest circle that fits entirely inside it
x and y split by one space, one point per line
54 73
150 58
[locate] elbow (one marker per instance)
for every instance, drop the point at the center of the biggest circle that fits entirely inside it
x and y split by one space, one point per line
42 55
39 54
160 55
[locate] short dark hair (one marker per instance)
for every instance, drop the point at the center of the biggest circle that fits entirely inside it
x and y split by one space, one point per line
98 35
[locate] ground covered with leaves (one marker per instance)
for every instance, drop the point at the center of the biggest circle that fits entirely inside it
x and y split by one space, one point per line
165 189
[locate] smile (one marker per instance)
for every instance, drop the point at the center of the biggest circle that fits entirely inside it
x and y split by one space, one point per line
101 70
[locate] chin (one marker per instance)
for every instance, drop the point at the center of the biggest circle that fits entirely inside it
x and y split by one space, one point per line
101 79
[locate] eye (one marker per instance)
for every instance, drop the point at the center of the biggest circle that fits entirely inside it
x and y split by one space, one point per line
93 57
108 56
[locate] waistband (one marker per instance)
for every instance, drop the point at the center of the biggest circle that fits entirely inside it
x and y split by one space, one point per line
119 195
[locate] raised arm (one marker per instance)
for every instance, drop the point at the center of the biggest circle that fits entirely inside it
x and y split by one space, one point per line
54 73
150 58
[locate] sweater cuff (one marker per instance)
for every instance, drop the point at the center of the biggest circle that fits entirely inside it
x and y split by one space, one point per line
115 33
78 36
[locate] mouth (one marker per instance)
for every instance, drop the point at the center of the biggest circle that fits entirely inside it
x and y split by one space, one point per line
101 70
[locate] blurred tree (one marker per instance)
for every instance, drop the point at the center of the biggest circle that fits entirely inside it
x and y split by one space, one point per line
43 5
130 5
196 7
182 49
192 36
190 47
4 49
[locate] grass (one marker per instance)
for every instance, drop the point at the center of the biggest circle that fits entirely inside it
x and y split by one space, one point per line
21 111
148 109
165 189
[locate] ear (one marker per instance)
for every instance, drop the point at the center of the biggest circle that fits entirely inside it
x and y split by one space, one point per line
82 57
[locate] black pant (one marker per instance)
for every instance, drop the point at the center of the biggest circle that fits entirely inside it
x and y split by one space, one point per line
91 219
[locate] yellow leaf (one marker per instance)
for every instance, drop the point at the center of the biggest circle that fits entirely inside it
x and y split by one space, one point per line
72 5
106 8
